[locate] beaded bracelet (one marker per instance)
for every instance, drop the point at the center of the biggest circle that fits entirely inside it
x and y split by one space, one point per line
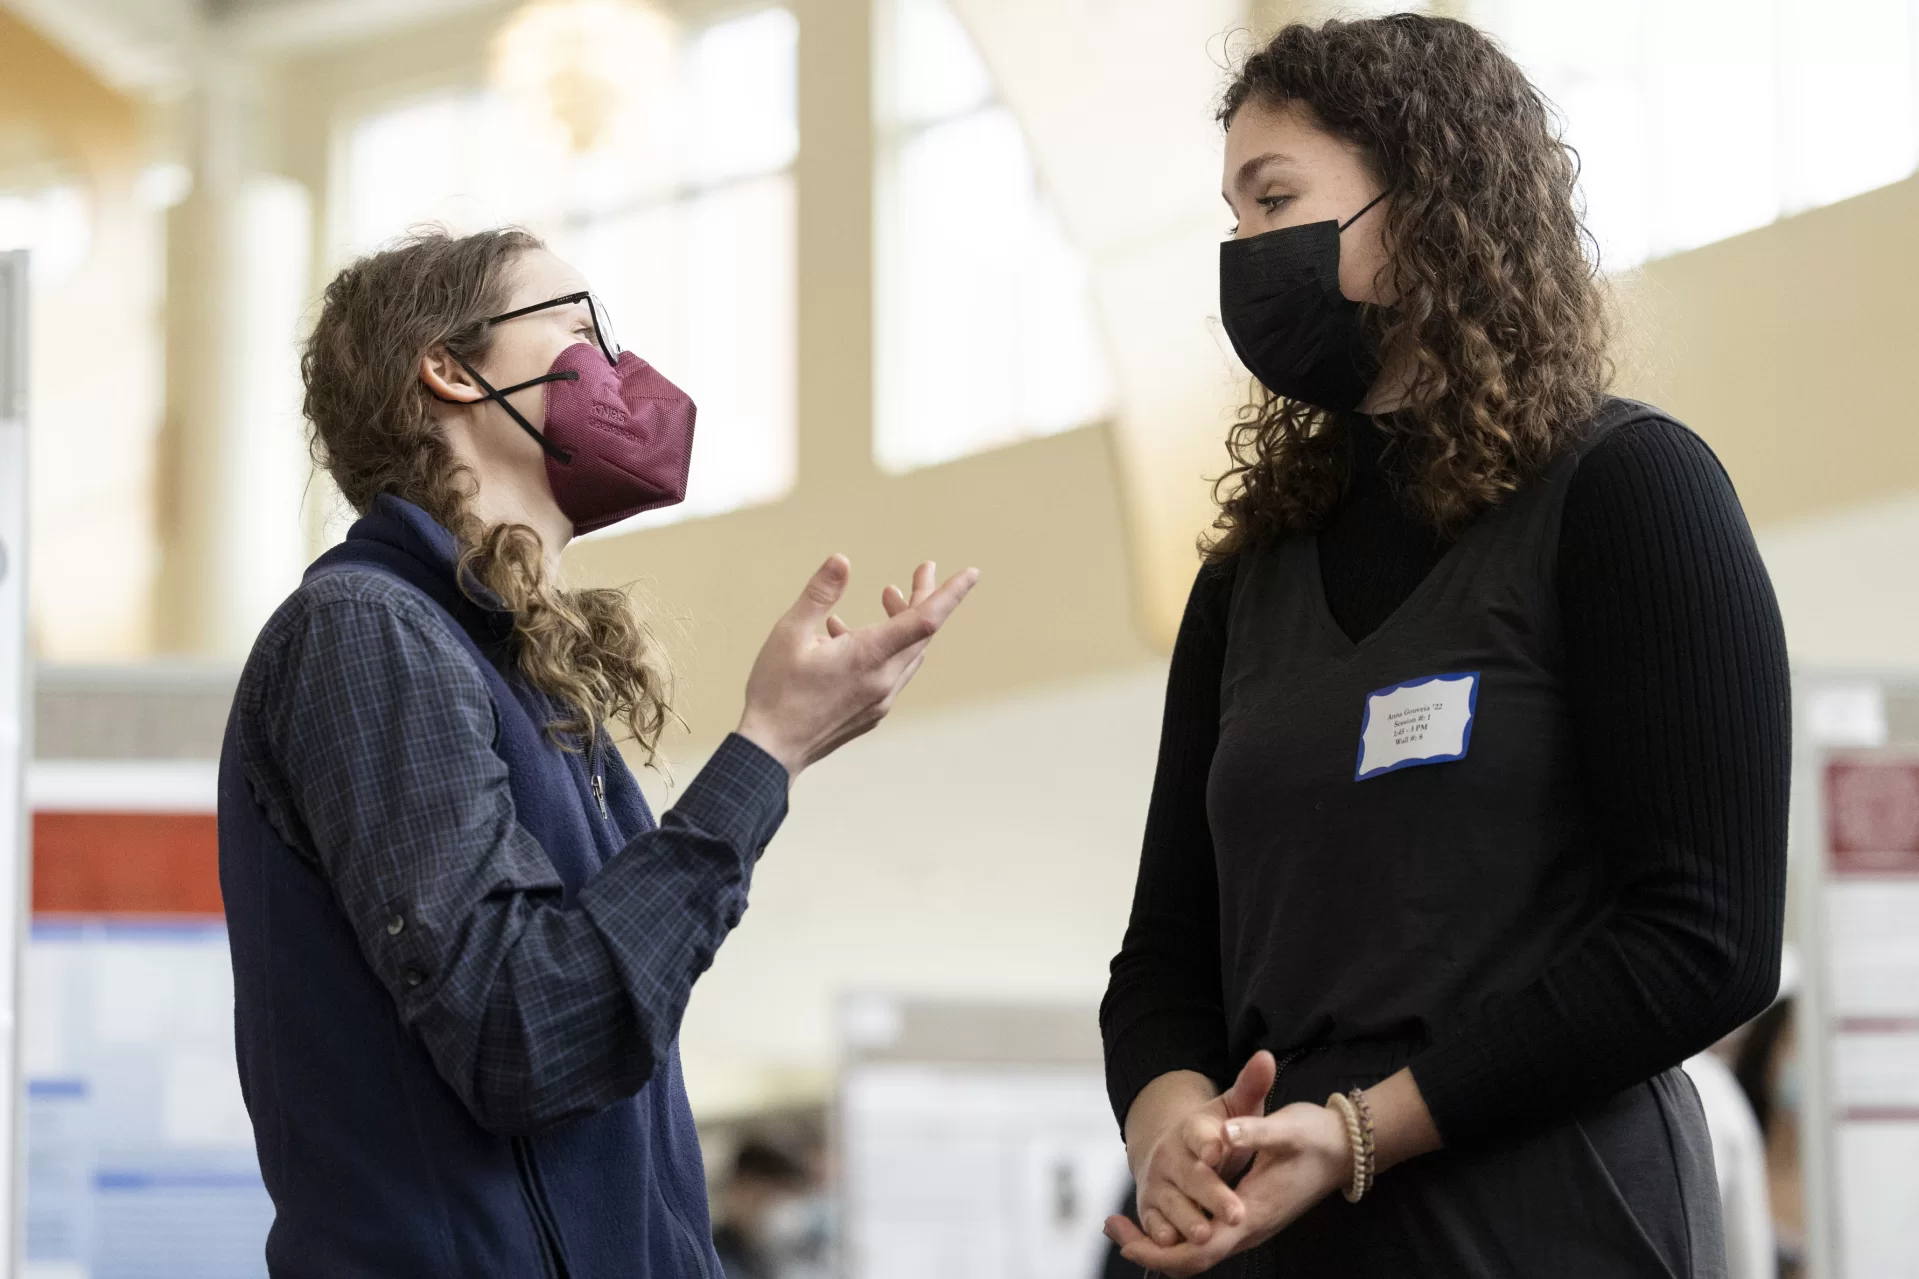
1358 1115
1367 1154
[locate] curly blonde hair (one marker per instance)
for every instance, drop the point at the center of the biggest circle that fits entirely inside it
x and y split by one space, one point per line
1497 312
373 431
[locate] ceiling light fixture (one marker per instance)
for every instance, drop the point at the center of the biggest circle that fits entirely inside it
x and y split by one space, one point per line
580 64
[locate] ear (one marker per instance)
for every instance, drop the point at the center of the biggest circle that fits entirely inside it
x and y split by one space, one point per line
446 380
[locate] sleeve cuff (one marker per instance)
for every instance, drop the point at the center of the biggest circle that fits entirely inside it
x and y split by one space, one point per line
740 796
1460 1088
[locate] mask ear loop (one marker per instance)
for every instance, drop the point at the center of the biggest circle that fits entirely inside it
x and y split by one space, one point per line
553 450
1363 212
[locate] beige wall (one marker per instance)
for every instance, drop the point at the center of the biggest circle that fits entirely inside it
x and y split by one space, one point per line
1848 584
94 375
1789 348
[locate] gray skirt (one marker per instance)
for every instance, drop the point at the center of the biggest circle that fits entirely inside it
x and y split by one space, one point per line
1625 1188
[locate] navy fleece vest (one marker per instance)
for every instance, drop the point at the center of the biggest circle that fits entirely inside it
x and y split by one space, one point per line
374 1165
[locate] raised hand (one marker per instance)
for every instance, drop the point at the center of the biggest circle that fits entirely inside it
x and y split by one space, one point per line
817 684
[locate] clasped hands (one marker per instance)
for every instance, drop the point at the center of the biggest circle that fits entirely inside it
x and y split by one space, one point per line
1284 1163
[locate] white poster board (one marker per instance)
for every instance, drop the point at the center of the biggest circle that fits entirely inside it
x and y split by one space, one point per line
1858 799
15 725
975 1141
976 1171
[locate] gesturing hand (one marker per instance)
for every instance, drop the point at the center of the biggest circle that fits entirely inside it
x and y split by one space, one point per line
818 684
1301 1155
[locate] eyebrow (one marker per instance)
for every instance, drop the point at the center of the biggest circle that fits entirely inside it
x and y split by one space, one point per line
1249 170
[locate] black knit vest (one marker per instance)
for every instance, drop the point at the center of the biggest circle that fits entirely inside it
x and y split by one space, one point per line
1370 901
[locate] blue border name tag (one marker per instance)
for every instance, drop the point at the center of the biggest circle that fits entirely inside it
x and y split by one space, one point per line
1423 721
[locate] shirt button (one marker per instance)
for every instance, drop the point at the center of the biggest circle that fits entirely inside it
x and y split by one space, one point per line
396 926
414 976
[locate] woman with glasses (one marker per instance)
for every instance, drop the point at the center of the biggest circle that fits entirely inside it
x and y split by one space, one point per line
461 943
1470 817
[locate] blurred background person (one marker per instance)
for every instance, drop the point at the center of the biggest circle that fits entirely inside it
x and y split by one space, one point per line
770 1221
1739 1164
1748 1085
1767 1066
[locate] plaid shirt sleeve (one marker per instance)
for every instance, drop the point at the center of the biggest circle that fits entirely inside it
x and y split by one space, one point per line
369 745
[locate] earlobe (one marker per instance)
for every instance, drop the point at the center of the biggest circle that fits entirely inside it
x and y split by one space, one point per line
446 380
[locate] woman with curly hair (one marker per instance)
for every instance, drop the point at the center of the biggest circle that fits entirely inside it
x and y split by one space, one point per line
1470 816
462 945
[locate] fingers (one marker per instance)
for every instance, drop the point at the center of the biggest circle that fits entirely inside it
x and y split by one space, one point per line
895 602
1204 1136
939 605
1179 1261
835 627
822 592
920 622
1181 1213
1157 1227
1247 1096
1202 1184
1138 1247
1197 1175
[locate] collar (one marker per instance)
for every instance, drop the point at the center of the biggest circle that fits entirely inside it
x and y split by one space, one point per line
1368 444
404 526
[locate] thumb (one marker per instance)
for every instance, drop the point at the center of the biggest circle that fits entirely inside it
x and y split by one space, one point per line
1247 1096
823 591
1275 1133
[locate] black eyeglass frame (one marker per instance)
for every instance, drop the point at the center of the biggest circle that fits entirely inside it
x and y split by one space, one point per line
603 336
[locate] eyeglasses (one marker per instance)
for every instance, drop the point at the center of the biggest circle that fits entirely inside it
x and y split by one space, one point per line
602 323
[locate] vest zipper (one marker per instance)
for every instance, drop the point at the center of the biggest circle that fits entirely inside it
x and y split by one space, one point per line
598 783
690 1239
1279 1068
543 1221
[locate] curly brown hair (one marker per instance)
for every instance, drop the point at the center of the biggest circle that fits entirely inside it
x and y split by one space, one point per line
374 432
1497 310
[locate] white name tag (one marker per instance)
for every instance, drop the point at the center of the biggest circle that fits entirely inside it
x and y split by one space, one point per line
1423 721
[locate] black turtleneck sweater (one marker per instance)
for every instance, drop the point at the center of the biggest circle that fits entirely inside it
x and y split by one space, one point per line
1676 678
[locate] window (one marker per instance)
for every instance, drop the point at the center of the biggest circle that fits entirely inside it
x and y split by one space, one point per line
1700 119
680 213
984 325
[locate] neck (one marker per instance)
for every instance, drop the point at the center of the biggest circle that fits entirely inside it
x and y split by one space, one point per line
504 493
1392 388
496 503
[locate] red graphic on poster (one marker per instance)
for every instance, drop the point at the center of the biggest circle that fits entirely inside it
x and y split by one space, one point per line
1872 816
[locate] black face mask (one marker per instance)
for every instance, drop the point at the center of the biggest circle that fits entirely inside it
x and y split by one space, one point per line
1293 329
